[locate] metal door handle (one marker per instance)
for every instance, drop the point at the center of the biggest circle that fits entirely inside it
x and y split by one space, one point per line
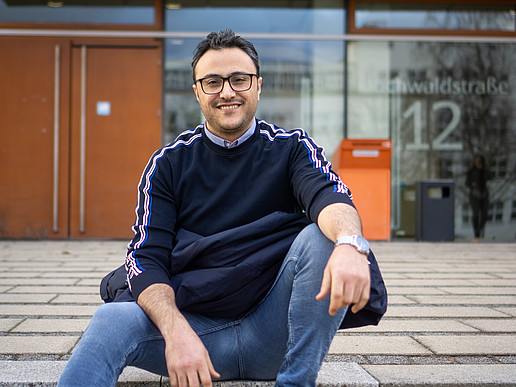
57 75
82 142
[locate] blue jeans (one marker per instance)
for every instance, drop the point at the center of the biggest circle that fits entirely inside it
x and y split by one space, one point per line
285 337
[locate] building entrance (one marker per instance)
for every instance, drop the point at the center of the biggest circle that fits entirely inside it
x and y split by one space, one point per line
80 120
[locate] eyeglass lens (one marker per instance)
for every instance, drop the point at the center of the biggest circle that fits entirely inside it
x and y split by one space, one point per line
214 85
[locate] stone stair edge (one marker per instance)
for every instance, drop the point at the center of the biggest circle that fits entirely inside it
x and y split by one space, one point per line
45 373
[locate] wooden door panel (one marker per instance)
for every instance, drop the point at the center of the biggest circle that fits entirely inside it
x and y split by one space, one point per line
118 141
28 78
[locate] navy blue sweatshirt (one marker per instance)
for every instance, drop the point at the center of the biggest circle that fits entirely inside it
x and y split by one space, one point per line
216 223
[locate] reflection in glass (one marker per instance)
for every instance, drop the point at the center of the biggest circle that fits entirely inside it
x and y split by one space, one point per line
283 18
74 11
442 104
435 16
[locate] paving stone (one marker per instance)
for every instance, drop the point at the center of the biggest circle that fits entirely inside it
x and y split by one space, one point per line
393 275
47 310
433 275
406 267
78 299
10 298
376 345
396 299
13 274
134 376
472 268
335 374
443 311
56 289
501 290
30 373
470 300
392 290
470 345
415 325
90 282
52 325
74 274
6 324
20 265
493 325
427 282
495 282
444 375
37 344
511 311
91 264
61 271
37 281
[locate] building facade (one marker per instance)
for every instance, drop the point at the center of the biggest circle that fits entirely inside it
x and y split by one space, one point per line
88 92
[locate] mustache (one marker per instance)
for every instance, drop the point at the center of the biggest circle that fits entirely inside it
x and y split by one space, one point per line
220 101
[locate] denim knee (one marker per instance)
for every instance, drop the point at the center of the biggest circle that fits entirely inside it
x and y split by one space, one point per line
112 314
311 245
120 321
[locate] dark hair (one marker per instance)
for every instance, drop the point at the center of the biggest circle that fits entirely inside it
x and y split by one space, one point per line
225 39
482 160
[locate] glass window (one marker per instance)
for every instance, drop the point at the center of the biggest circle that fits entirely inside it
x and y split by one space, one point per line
418 15
441 104
495 214
303 80
466 213
78 12
320 17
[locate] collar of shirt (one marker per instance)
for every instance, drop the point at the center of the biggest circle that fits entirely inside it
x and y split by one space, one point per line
228 144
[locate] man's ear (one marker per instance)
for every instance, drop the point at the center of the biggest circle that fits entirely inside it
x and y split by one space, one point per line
259 87
194 87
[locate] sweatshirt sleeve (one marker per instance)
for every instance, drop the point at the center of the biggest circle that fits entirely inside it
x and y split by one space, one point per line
148 256
314 183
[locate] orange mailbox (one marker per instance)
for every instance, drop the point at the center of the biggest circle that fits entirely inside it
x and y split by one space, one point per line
365 167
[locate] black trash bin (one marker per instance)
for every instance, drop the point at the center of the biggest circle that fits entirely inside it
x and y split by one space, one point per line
435 210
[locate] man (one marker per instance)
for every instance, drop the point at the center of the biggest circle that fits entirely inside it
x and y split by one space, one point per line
233 266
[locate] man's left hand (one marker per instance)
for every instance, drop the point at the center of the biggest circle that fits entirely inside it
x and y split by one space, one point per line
346 279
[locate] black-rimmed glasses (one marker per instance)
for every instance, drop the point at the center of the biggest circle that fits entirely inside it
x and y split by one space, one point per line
238 82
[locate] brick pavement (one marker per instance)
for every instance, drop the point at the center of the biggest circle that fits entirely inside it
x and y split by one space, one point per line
451 317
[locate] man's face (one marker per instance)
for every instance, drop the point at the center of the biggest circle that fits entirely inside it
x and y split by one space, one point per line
229 113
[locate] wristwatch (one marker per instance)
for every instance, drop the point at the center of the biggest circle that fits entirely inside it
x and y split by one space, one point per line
357 241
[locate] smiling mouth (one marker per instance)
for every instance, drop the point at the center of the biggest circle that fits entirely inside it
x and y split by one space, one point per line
228 107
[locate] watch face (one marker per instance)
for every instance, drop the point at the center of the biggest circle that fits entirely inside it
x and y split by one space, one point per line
363 244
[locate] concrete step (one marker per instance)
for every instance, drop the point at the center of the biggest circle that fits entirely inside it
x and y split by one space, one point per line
46 373
332 374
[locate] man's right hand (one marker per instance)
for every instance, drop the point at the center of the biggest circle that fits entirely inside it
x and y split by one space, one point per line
188 361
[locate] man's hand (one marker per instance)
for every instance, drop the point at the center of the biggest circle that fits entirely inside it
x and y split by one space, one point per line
346 279
188 361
